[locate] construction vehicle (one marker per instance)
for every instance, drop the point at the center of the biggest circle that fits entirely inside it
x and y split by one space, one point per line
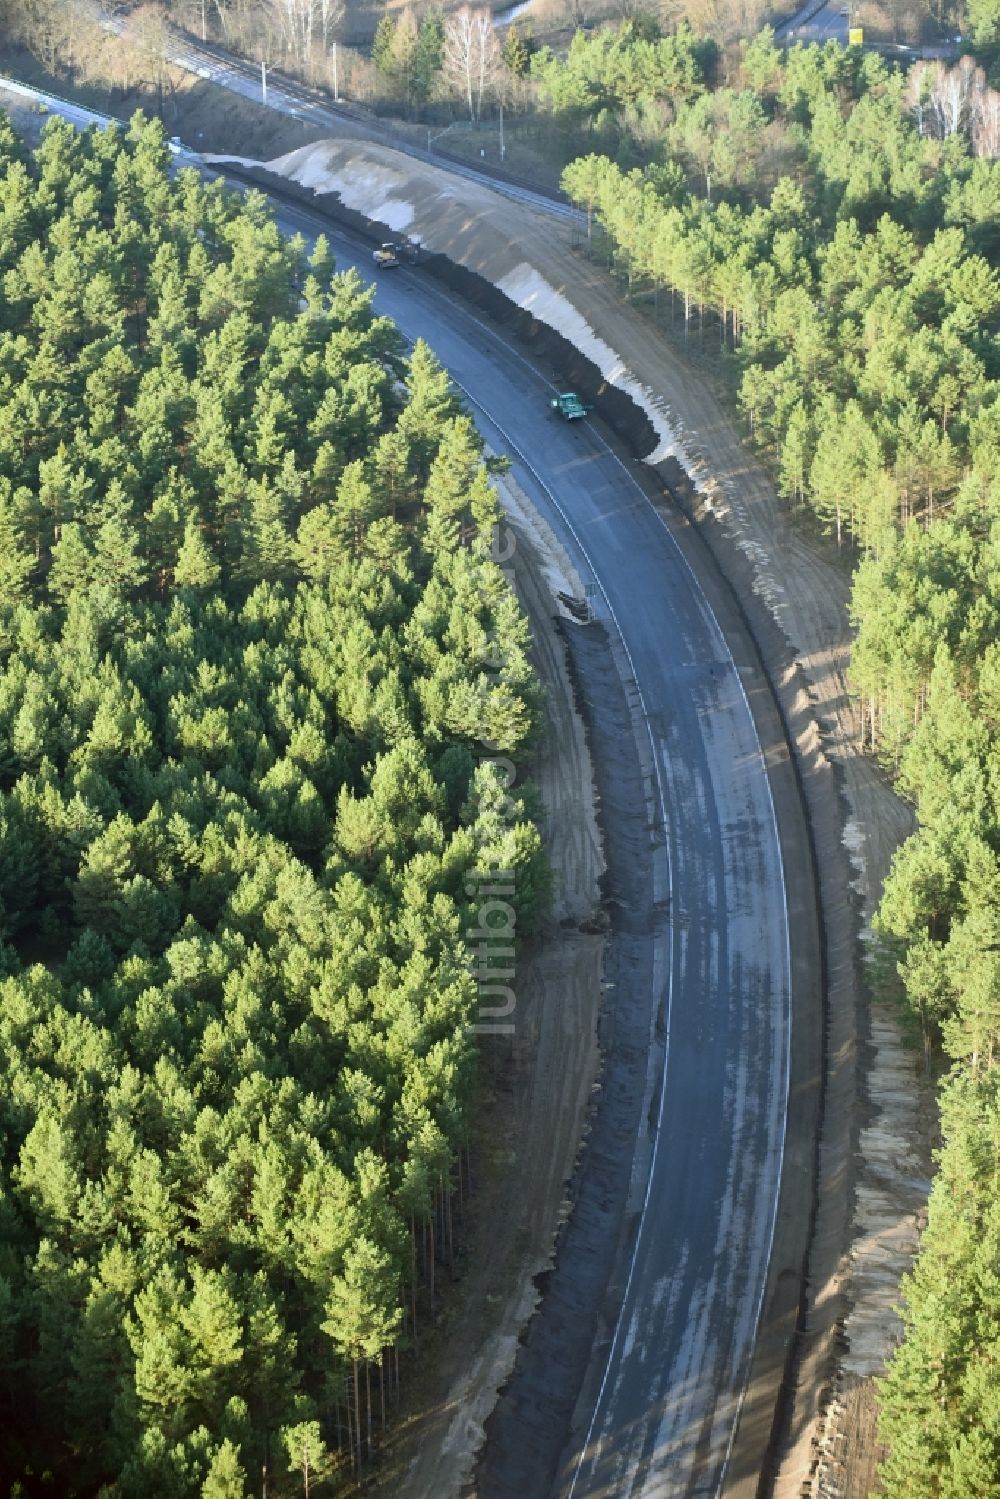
569 406
397 252
386 256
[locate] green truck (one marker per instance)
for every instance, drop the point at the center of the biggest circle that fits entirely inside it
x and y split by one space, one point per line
569 406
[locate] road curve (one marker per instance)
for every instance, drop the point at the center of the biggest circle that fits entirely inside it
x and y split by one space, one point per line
670 1382
706 1183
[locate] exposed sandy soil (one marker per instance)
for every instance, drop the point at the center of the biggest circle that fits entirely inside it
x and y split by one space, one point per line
539 1089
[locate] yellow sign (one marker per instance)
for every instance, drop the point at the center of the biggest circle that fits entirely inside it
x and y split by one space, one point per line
856 36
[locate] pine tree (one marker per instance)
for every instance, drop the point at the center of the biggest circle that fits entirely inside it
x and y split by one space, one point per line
268 551
429 57
516 52
354 508
107 866
321 261
307 1453
403 57
118 567
363 1317
16 561
225 1478
72 563
382 46
213 1329
195 566
431 400
448 493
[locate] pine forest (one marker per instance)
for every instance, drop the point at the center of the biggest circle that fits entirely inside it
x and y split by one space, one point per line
830 225
261 681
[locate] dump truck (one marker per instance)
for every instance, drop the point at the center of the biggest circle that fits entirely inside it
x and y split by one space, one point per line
569 406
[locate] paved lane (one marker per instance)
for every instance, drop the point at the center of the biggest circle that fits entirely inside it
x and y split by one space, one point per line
676 1371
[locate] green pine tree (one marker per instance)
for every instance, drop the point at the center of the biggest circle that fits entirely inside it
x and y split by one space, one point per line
195 567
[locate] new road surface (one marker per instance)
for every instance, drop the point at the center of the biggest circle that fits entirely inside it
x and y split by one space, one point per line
667 1378
707 1169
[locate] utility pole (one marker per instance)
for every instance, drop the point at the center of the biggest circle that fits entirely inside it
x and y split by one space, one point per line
502 151
336 85
204 27
263 81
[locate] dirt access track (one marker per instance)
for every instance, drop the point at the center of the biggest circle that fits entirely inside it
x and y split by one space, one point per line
794 600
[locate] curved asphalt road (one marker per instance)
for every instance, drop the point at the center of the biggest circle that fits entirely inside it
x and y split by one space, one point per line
673 1379
671 1382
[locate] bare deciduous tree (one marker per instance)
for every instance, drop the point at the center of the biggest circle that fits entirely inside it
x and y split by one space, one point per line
986 126
71 37
918 93
295 29
244 24
148 33
294 22
472 59
945 100
41 26
722 19
330 14
578 12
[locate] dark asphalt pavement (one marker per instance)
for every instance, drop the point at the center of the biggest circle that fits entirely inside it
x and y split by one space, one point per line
707 1160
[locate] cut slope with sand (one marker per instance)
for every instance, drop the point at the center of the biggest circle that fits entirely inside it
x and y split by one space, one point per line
380 192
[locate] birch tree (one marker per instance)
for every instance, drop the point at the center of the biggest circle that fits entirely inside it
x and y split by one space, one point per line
295 22
955 93
986 125
330 15
472 57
